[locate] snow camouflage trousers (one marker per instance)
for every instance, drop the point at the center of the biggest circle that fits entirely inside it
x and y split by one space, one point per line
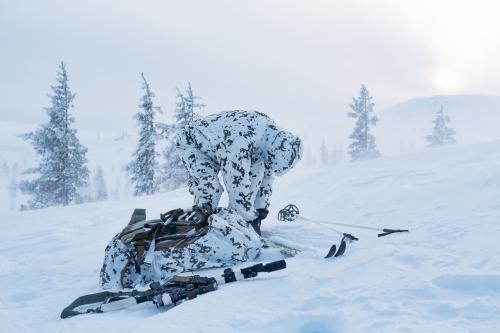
229 241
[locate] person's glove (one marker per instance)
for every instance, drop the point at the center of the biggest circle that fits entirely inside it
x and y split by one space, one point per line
263 212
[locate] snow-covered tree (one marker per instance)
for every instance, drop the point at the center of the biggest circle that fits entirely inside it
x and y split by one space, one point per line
173 171
127 188
336 155
100 192
116 191
309 158
323 153
190 105
62 170
15 167
441 134
13 187
5 168
363 144
144 164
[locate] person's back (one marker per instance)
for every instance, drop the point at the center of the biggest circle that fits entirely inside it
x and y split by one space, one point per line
225 129
247 147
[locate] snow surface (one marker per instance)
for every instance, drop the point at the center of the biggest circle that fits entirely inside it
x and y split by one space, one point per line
443 276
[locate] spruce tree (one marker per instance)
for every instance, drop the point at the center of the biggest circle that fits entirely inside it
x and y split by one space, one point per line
5 168
441 134
15 167
363 144
13 187
189 114
117 189
62 170
323 156
143 166
336 155
309 160
100 192
127 188
173 171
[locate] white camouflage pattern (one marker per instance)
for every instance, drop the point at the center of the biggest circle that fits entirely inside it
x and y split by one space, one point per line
247 148
229 241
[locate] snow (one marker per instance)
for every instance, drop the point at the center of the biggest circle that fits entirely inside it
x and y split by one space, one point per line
443 276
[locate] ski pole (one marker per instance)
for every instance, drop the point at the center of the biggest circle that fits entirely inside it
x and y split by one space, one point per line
291 213
341 233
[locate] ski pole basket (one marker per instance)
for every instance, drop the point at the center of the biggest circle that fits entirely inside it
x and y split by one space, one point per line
289 213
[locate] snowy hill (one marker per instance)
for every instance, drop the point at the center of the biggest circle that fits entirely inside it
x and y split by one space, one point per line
443 276
402 128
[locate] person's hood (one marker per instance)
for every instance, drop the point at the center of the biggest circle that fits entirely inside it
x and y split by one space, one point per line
284 152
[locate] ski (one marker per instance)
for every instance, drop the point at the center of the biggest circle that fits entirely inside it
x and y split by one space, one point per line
285 250
291 213
333 252
290 252
167 295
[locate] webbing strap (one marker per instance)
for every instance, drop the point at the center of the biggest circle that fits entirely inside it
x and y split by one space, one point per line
124 270
101 299
69 311
140 248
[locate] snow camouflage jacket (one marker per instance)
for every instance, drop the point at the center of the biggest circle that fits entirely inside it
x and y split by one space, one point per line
247 148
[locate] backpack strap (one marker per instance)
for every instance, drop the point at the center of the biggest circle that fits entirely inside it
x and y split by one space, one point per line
124 271
175 229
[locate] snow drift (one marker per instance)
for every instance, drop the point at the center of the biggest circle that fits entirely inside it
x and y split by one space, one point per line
443 276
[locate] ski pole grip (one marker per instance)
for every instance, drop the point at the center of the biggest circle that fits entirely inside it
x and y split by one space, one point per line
391 231
274 266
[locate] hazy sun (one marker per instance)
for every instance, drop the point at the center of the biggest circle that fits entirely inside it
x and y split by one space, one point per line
446 80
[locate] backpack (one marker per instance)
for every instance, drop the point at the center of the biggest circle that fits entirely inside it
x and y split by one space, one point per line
181 240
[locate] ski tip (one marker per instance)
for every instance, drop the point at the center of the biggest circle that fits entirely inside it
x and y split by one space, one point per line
332 251
342 248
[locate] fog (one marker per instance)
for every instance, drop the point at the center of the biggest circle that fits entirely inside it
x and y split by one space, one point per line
298 61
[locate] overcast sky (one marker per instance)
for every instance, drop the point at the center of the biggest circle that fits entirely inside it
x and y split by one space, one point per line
294 60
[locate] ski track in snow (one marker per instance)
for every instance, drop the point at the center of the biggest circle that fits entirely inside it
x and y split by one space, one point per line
443 276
